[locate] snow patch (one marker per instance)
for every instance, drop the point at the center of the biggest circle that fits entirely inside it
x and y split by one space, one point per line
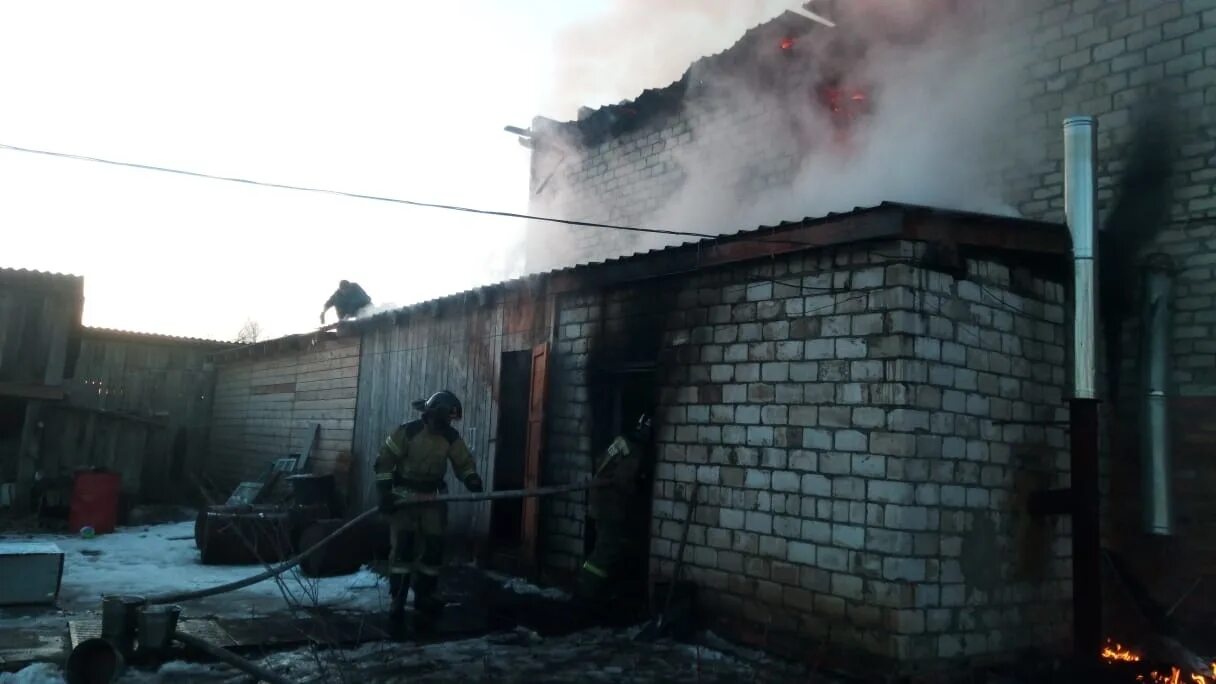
155 559
521 586
38 673
178 670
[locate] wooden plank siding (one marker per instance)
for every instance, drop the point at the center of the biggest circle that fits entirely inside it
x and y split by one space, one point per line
139 404
266 407
458 349
39 326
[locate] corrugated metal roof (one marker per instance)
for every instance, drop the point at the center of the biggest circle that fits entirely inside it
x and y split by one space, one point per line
741 235
30 274
767 232
155 337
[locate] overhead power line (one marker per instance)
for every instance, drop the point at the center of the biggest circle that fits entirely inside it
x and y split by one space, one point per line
357 195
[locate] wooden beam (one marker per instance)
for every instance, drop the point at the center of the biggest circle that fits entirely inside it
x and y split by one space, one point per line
24 390
28 455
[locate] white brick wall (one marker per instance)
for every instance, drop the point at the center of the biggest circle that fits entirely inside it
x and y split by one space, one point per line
867 498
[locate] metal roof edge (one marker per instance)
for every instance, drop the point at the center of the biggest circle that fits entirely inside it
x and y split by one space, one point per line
101 331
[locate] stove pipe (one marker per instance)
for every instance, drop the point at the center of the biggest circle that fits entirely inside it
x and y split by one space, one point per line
1080 198
1154 432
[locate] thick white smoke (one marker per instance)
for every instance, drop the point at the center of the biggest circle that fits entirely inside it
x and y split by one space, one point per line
938 133
639 44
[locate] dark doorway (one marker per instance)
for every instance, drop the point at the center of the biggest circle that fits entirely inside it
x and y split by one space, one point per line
12 420
506 516
631 392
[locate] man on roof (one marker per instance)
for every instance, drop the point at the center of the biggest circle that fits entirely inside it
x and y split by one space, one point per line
347 301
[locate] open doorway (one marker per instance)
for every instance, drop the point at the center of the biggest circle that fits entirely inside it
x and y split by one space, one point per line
506 515
631 392
12 420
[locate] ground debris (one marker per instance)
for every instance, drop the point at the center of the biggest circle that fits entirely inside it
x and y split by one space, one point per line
520 655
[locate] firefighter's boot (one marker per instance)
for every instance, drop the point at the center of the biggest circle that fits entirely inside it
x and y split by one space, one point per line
427 605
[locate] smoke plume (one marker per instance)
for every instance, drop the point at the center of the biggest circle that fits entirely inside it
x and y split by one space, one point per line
639 44
939 78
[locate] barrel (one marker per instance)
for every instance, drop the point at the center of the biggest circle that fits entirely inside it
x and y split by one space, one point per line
94 661
94 502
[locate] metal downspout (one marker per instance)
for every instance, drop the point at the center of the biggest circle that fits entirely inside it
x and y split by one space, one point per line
1154 433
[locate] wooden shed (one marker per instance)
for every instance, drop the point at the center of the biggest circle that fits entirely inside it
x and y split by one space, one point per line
138 404
39 338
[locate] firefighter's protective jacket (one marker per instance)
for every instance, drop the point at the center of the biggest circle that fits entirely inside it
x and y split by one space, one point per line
621 466
416 459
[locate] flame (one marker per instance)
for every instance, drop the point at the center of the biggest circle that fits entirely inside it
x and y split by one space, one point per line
787 43
1115 652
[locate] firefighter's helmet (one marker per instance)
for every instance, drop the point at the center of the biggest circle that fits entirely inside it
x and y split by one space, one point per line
443 404
644 428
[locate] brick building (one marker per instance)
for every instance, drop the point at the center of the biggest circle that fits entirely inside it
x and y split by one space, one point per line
866 401
809 86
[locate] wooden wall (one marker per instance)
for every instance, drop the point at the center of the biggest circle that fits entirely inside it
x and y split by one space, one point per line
266 406
39 322
138 404
457 346
457 349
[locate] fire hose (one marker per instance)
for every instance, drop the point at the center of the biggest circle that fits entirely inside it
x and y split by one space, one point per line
252 668
178 597
226 656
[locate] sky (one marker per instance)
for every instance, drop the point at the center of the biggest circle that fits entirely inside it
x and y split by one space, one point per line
403 99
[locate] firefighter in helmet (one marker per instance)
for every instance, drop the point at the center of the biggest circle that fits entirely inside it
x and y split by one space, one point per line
413 462
613 506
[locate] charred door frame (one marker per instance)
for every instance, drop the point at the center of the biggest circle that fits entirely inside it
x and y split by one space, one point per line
535 444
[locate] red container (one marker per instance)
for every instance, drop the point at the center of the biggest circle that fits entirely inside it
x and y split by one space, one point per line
94 502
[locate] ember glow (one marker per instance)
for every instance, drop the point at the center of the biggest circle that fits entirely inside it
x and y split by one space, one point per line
1114 652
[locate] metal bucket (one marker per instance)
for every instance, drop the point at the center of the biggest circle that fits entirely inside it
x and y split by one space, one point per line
118 620
94 661
156 627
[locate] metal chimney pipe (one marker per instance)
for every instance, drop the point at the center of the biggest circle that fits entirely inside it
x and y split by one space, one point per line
1080 199
1154 432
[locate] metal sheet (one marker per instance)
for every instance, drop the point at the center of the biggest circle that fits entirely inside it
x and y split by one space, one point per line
203 628
32 573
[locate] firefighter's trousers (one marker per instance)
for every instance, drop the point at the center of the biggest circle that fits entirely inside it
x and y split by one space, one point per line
609 555
417 554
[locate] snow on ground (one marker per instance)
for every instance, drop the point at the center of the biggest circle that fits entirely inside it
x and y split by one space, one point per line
521 586
39 673
157 559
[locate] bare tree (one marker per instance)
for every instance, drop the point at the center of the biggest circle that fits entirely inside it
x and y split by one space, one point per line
250 332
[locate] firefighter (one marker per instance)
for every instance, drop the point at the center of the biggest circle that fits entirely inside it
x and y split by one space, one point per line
613 507
346 301
413 462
